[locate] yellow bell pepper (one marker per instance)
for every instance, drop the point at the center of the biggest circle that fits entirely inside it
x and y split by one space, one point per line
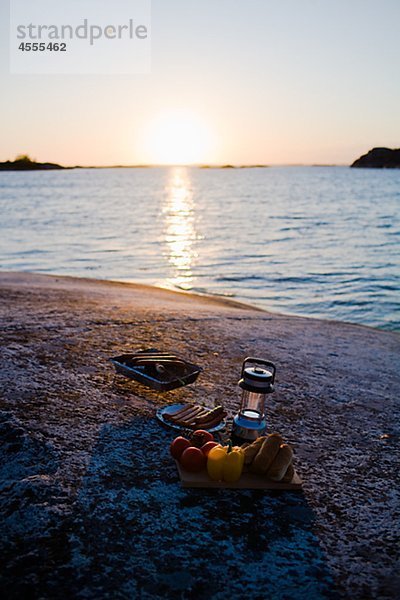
225 463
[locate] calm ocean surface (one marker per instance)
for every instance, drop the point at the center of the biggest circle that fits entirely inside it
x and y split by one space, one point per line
315 241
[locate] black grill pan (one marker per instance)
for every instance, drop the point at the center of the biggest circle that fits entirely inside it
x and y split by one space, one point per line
161 371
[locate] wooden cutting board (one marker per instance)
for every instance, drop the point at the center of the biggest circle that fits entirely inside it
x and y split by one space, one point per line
248 481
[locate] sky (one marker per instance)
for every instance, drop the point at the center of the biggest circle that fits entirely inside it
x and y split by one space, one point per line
231 82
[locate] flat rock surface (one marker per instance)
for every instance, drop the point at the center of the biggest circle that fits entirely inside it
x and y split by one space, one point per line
91 505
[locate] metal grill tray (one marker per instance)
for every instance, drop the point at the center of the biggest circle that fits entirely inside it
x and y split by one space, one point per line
155 369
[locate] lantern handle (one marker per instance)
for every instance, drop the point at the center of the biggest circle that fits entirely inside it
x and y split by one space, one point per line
259 361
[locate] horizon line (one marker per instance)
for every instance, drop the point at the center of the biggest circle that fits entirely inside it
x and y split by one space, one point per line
206 165
222 165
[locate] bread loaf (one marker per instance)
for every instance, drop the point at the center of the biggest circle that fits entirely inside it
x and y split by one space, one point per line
280 464
288 476
266 455
251 450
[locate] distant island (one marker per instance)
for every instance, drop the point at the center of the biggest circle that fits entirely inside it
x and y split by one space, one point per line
24 163
379 158
231 166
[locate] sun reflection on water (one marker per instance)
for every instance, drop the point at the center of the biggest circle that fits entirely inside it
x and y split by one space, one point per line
180 232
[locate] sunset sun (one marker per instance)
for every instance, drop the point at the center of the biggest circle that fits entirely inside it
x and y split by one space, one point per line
178 138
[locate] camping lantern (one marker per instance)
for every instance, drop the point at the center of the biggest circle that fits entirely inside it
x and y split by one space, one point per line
257 380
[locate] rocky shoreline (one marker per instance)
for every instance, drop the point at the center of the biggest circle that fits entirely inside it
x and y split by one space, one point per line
379 158
24 163
90 501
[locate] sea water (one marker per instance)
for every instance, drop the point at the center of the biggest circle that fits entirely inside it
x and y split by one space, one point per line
314 241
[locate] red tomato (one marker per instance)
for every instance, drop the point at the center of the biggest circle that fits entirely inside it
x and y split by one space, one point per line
207 447
201 437
193 459
178 446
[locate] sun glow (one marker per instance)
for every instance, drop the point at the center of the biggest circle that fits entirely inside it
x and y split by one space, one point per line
178 138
